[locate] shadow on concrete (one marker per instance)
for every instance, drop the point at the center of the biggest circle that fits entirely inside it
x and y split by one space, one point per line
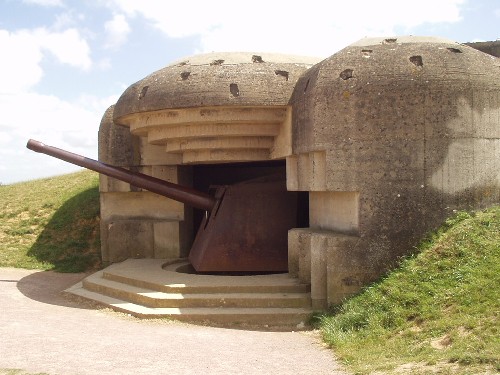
48 287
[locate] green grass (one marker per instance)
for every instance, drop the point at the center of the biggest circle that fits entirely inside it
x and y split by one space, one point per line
437 313
51 223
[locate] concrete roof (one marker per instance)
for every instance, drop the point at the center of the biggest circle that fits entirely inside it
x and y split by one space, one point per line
400 39
216 79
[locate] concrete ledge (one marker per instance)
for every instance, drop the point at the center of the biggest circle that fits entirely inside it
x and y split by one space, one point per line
319 258
152 288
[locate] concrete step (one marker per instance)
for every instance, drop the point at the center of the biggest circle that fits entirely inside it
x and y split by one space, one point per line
156 288
152 274
273 317
151 298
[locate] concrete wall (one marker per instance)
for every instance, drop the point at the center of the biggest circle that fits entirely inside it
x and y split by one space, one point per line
390 136
212 108
137 223
491 48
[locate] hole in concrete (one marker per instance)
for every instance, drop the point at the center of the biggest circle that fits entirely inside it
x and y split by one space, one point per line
189 269
257 59
390 40
254 208
346 74
143 92
233 88
417 61
366 52
217 62
282 73
206 175
185 75
454 50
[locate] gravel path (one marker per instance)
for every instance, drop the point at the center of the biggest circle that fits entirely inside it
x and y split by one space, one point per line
43 331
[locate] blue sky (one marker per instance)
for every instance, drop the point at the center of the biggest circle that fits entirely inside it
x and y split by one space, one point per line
63 62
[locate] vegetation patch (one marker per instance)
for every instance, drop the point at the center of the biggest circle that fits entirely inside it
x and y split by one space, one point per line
436 314
51 223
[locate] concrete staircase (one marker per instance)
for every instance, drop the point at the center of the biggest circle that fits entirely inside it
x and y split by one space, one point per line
156 288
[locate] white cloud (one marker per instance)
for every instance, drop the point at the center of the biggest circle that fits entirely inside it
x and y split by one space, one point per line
45 3
23 52
56 122
26 114
31 114
117 30
65 20
20 65
175 19
104 64
317 27
67 46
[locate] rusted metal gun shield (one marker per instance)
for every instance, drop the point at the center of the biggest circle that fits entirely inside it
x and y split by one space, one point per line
247 231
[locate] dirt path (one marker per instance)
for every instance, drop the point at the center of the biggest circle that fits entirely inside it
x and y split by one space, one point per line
42 331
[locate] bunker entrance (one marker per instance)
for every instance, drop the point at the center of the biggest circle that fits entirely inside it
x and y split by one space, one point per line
248 231
245 216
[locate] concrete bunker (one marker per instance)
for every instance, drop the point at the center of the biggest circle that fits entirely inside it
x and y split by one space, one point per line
216 136
381 142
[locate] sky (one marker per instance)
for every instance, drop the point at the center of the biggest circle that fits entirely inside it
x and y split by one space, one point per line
64 62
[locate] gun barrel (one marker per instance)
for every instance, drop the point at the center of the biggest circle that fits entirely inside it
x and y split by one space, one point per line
179 193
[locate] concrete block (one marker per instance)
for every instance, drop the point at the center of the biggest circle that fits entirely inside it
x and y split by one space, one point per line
129 239
164 134
105 256
305 257
299 254
304 172
225 143
165 172
293 252
212 134
115 142
292 178
136 205
219 156
156 154
319 247
167 242
110 184
346 269
317 168
282 146
335 211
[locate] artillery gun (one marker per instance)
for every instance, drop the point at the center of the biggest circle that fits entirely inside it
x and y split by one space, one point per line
245 225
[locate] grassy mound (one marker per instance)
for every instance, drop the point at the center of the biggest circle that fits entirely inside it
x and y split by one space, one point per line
51 223
437 313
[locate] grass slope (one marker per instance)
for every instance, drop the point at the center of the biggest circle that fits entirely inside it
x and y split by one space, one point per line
51 223
437 313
